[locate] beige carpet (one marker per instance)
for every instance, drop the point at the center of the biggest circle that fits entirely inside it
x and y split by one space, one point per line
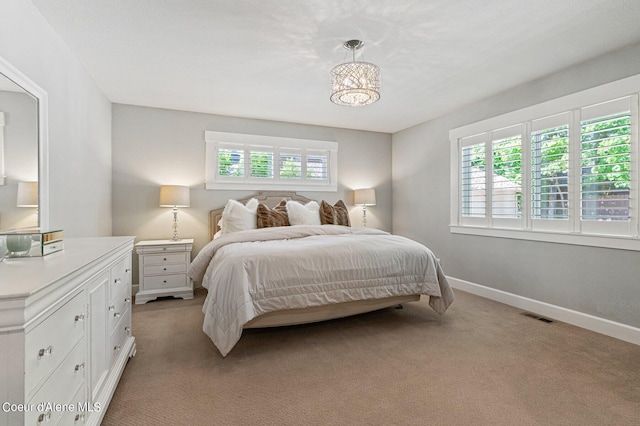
482 363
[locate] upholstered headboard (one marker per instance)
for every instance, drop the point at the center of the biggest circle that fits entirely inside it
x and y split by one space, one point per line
268 198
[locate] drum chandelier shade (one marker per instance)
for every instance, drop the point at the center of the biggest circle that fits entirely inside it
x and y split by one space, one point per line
355 83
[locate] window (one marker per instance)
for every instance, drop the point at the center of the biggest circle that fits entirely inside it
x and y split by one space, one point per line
238 161
567 176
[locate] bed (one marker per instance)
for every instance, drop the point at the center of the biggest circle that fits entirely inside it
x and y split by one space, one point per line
308 272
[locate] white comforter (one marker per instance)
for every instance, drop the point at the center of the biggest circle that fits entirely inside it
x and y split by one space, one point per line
250 273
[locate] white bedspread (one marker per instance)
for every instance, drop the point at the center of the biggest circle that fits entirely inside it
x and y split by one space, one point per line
250 273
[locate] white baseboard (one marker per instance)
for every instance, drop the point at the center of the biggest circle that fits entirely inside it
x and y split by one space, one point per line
590 322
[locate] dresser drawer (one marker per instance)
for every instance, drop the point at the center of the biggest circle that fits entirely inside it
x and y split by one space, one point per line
78 416
161 259
120 277
120 306
50 340
119 336
165 281
59 388
165 269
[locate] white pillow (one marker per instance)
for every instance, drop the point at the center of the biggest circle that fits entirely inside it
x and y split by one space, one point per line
238 217
308 214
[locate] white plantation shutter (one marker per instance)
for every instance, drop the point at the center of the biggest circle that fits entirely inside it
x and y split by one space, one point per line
606 163
290 165
237 161
317 166
473 177
506 185
230 161
574 173
261 163
550 172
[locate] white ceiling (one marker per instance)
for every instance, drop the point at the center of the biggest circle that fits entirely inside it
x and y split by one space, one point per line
270 59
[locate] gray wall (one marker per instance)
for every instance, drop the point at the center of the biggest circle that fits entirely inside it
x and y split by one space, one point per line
153 147
79 121
600 282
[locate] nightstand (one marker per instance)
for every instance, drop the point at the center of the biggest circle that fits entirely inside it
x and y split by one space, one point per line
162 268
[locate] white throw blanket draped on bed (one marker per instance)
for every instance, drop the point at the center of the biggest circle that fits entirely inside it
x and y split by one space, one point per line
250 273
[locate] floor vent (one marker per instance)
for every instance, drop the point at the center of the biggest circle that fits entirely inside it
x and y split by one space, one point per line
538 317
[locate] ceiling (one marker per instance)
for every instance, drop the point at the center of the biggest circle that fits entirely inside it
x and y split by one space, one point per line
270 59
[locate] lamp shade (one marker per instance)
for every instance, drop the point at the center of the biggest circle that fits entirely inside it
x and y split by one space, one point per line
174 196
27 194
364 197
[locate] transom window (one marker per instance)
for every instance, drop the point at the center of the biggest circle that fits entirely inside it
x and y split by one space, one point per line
573 172
239 161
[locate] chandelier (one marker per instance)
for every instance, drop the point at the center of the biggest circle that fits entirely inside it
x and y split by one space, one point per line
355 83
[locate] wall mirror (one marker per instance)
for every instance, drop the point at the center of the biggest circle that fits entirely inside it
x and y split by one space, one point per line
23 151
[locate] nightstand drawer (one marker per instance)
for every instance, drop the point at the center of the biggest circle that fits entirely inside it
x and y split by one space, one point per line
165 269
165 281
161 259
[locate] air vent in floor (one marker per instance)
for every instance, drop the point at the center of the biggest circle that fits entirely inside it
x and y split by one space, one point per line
538 317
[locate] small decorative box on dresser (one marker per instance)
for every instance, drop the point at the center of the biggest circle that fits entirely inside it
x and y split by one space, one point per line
65 332
162 268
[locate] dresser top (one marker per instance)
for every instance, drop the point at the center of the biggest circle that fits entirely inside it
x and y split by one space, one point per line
22 277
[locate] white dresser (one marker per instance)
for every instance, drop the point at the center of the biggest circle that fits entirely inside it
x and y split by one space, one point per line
162 268
65 332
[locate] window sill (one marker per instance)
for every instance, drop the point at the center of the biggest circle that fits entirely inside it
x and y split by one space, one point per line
602 241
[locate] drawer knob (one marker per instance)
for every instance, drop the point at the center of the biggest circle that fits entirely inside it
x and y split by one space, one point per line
164 281
164 269
44 417
79 417
117 315
112 307
117 281
127 300
165 259
45 352
79 367
79 318
127 270
117 348
127 330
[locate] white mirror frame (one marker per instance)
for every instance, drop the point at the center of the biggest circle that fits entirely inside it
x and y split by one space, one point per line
36 91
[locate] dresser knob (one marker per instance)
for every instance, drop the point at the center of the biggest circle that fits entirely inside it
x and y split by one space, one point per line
127 300
117 315
165 259
117 281
127 270
117 348
112 307
45 352
127 330
79 417
44 417
79 367
79 317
